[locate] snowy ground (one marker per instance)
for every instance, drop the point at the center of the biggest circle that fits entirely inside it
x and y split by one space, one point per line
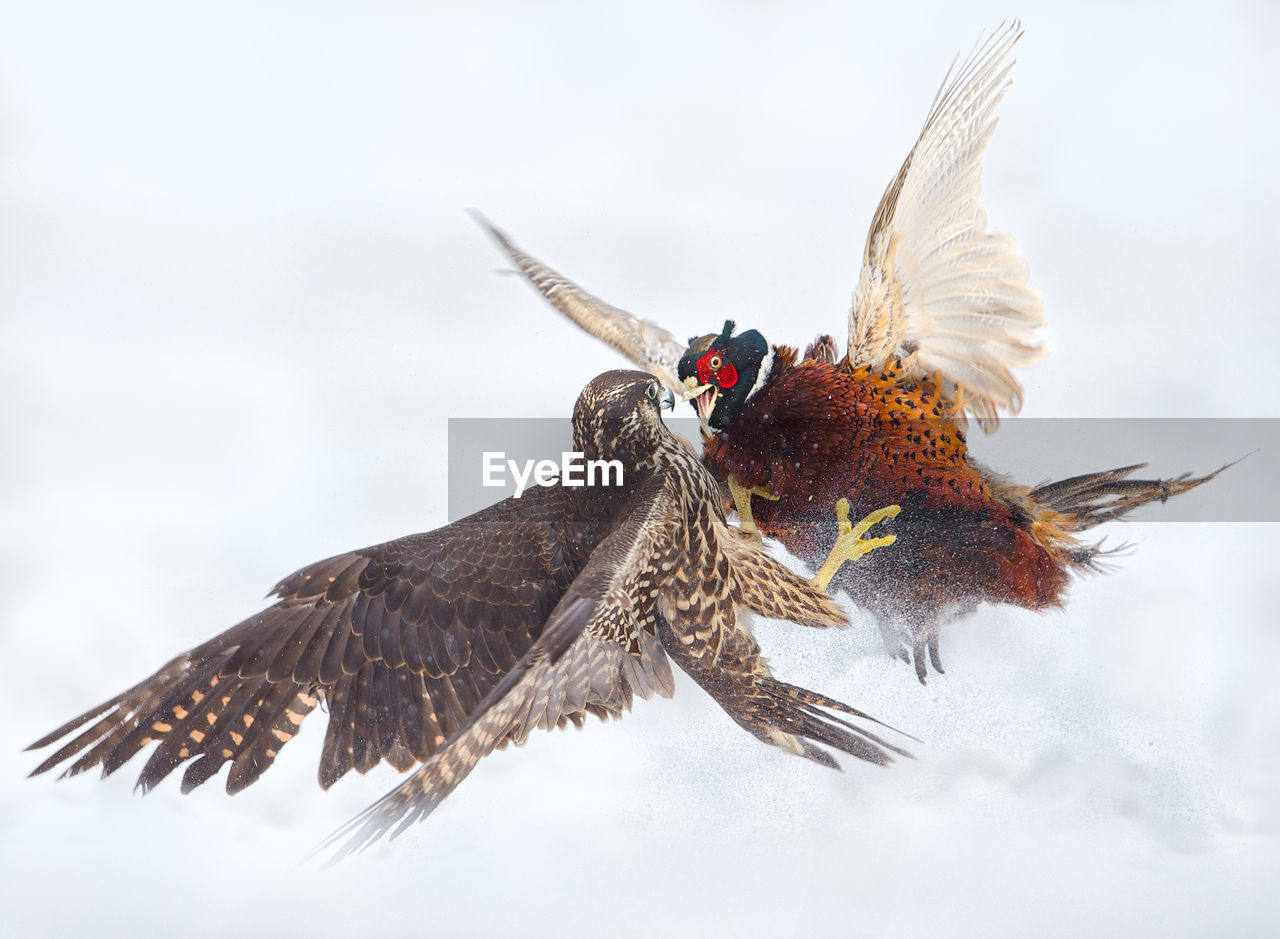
241 299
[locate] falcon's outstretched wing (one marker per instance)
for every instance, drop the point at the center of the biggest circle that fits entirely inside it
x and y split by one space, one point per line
935 283
645 344
581 661
699 629
765 586
793 718
402 641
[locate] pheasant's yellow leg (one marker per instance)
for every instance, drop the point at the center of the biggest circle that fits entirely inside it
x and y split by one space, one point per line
742 502
850 544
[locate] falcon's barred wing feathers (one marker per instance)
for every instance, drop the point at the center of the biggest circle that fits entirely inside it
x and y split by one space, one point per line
580 661
440 647
769 588
736 675
401 640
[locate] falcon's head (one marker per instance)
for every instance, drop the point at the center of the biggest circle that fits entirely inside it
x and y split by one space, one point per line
722 372
617 418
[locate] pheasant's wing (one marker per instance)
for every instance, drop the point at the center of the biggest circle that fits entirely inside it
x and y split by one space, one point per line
597 648
934 281
645 344
401 641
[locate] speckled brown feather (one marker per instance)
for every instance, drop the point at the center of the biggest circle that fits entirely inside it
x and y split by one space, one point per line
428 622
672 569
440 647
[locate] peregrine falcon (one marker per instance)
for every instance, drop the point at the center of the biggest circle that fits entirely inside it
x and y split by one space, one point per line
439 647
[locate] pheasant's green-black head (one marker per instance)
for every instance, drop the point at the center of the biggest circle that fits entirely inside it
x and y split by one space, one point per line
725 370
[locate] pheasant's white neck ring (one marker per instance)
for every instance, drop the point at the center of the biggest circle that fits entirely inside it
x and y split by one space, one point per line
762 376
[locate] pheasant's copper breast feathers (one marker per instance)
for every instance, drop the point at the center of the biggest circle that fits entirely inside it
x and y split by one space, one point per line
643 343
937 288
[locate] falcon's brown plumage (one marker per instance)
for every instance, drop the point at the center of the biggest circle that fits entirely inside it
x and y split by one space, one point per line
439 647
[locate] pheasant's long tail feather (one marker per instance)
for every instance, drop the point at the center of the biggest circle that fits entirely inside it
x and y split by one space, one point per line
1083 502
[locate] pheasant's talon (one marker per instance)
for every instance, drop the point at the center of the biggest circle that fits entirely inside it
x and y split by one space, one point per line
879 515
866 546
842 518
935 656
850 545
921 668
742 502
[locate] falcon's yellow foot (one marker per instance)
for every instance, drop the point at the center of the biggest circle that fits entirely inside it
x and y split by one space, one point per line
850 544
742 502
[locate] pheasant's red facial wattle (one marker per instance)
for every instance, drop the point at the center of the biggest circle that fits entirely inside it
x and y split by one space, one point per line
714 367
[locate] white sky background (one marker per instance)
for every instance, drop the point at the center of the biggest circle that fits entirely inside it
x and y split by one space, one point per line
241 298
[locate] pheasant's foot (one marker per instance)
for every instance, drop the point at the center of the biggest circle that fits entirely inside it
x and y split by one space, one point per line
935 656
742 502
893 636
850 545
919 650
922 668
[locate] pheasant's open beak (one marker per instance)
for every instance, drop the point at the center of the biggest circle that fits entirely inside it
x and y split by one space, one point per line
706 402
691 389
703 396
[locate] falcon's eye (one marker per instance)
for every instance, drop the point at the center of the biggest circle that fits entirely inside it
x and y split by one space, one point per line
715 363
652 391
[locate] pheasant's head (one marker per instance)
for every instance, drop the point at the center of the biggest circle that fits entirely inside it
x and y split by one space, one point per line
722 372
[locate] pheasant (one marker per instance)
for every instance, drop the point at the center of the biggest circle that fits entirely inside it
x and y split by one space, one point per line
941 314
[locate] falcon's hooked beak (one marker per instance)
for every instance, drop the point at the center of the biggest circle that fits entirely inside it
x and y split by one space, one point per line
668 402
